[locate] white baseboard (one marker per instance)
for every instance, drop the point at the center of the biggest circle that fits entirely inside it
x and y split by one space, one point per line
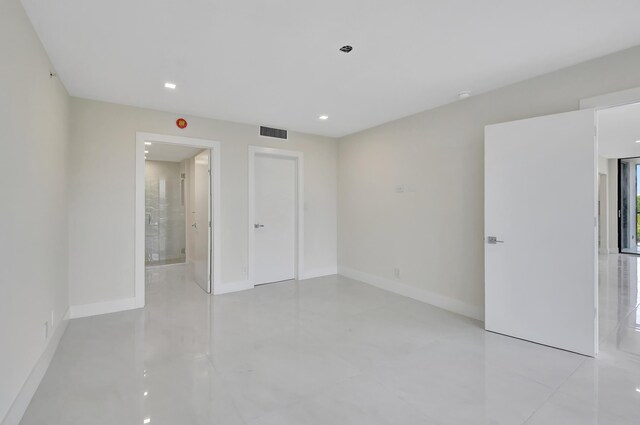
423 295
225 288
22 400
325 271
243 285
94 309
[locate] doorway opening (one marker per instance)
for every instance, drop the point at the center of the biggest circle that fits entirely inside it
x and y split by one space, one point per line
276 215
177 208
618 137
629 205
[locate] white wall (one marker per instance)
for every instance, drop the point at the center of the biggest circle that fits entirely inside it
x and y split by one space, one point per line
33 215
609 167
603 165
102 195
433 232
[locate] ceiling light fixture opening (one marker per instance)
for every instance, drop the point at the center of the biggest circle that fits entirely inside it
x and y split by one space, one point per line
346 49
171 86
464 94
323 117
147 143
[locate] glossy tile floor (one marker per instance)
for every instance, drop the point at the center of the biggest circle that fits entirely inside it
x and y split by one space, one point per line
333 351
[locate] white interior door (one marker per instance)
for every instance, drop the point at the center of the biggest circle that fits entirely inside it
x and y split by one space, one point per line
201 219
275 219
540 204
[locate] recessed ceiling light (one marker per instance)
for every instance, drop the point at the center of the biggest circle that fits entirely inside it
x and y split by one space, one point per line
147 143
171 86
346 49
323 117
464 94
637 141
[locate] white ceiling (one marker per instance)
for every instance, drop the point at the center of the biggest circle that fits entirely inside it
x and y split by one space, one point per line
172 153
618 130
277 62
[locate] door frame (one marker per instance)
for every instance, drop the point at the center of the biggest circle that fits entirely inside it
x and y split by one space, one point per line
139 217
603 214
606 101
299 159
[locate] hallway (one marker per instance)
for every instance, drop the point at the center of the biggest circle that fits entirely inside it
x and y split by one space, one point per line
333 351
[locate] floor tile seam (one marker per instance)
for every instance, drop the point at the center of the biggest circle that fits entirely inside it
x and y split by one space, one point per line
496 363
307 397
555 391
619 322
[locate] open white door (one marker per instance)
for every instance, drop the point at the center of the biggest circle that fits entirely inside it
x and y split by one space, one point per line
202 219
540 205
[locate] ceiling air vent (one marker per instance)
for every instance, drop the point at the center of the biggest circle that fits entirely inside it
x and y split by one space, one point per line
273 132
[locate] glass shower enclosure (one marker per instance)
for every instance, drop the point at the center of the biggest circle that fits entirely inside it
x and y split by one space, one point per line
165 213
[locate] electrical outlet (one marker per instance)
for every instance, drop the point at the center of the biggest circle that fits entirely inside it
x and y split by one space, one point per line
396 273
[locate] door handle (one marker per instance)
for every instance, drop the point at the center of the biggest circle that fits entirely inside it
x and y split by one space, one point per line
258 225
492 240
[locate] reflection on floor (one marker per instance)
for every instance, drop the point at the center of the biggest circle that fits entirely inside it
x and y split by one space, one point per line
333 351
169 261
